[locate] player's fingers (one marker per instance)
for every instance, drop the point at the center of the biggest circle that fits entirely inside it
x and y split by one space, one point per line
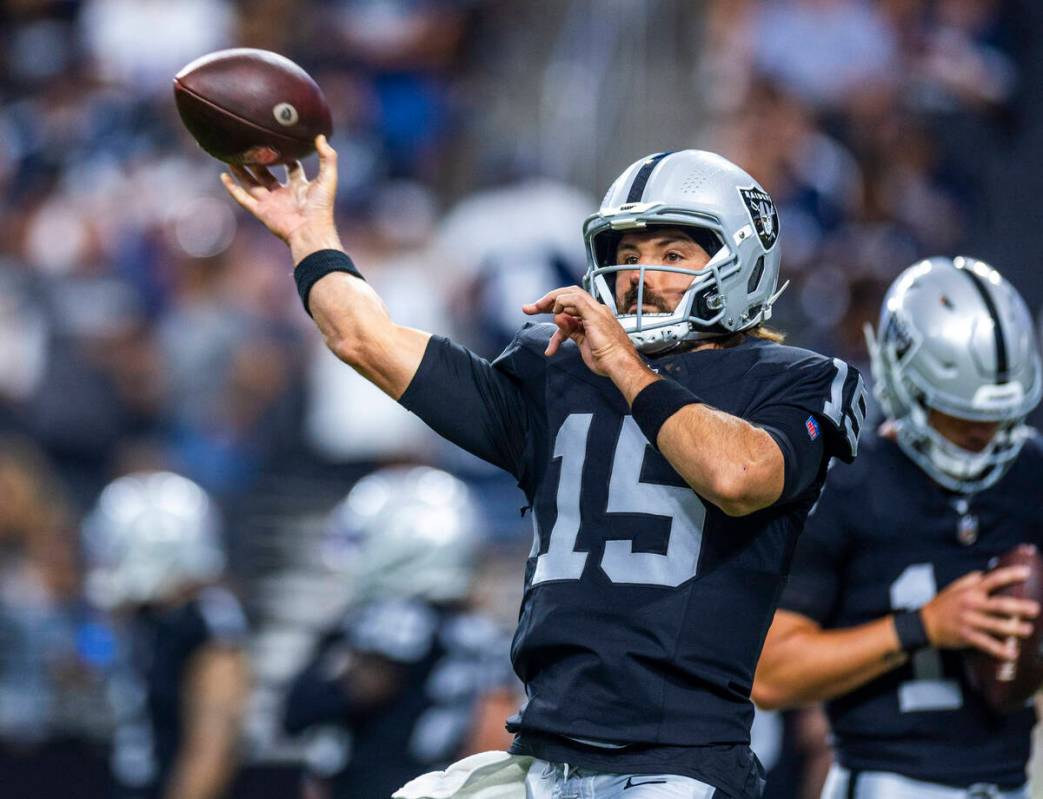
967 579
1004 650
239 194
570 302
1009 606
327 161
248 181
546 302
1002 626
295 174
555 341
264 176
1008 575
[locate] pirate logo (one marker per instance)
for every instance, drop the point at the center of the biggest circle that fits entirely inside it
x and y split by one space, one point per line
763 215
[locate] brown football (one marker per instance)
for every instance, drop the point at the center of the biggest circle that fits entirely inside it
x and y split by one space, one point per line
247 106
1008 685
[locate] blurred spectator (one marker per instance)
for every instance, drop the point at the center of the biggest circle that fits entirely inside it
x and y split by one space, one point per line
53 651
143 43
824 50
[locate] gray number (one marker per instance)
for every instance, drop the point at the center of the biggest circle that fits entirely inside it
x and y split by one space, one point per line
928 690
834 410
626 494
560 562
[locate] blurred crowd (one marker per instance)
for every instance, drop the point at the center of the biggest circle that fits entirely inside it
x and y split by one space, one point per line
145 325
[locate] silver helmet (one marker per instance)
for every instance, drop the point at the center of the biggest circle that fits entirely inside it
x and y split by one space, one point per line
149 535
406 532
726 211
955 336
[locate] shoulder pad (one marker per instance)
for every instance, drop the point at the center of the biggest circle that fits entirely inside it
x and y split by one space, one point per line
524 355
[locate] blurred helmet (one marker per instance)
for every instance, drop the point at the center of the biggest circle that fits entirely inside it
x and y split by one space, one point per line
955 336
406 532
149 535
725 211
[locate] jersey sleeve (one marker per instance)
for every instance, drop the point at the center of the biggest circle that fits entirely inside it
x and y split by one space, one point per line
316 695
817 571
223 617
479 406
814 410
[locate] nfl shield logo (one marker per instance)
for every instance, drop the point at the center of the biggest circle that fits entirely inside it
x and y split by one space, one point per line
763 215
812 427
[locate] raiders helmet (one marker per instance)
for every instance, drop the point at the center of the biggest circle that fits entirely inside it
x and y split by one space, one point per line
955 336
726 212
404 533
149 535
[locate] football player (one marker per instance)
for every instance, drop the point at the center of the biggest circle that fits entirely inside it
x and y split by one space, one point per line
888 581
669 450
181 680
400 678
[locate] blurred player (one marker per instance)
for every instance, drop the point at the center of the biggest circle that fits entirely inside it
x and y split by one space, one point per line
180 685
400 678
887 583
668 446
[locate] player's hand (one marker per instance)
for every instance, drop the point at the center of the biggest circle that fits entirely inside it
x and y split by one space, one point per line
299 211
965 614
602 342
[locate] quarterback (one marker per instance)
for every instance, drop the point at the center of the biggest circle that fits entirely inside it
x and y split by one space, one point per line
889 578
668 446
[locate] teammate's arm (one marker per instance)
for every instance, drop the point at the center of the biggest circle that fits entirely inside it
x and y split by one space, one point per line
801 662
726 460
351 317
214 700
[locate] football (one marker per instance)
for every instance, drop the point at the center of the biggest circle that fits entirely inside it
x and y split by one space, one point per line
247 106
1008 685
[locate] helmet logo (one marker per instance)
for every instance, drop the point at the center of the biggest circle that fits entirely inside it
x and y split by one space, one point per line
763 215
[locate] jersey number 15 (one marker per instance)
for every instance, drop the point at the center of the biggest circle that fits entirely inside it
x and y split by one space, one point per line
626 494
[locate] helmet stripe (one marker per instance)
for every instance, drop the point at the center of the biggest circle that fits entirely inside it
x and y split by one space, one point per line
637 188
1002 369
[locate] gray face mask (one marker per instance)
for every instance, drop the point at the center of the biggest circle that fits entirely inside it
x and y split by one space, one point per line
956 337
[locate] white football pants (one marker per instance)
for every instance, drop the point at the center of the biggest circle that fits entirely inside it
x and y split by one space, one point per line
885 785
560 781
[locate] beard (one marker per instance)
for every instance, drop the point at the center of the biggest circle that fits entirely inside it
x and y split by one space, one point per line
648 297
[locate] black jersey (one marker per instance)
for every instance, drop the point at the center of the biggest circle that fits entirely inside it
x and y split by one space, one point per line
645 607
442 660
886 537
148 682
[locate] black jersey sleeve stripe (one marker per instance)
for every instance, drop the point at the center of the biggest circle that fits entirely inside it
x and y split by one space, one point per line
1002 368
637 188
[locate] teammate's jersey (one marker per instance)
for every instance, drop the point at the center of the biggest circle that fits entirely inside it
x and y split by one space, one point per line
645 607
149 681
441 661
885 537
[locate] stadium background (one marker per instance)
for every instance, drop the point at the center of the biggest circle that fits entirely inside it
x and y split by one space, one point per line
144 323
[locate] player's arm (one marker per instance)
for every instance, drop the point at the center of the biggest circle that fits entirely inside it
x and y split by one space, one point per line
726 460
351 317
345 692
215 694
801 662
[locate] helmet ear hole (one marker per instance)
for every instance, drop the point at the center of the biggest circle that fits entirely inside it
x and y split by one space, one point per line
755 276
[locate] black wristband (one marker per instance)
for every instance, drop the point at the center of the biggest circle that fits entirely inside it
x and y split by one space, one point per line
912 635
318 265
656 403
